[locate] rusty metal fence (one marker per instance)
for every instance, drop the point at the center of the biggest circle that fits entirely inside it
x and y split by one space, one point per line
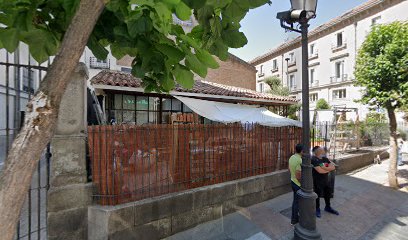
130 163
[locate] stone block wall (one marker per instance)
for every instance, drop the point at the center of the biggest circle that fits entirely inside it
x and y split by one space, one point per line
163 216
359 160
70 194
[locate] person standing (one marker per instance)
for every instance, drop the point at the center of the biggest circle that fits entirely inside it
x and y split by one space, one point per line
321 168
295 168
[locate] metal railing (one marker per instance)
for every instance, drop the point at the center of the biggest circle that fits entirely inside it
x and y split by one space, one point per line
18 83
342 78
99 64
130 163
345 137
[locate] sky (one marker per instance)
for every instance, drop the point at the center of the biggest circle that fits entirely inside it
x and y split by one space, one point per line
263 30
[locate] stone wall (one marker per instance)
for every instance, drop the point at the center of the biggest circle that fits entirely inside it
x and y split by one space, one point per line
163 216
361 158
70 194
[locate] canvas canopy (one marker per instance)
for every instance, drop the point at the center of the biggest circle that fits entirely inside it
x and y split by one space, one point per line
231 113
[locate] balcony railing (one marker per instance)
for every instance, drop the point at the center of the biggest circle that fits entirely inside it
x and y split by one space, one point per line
339 47
336 79
292 63
313 55
99 64
292 88
315 83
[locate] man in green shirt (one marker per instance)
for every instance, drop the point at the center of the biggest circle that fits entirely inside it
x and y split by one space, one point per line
295 168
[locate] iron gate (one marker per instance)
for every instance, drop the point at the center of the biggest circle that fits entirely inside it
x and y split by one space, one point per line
19 79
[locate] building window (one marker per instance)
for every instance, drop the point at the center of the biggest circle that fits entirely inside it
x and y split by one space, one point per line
339 38
292 59
275 65
131 109
126 69
339 94
261 88
311 77
28 80
313 97
292 83
99 64
312 49
375 21
261 73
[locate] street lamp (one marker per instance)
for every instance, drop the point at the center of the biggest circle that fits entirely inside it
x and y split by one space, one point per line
301 12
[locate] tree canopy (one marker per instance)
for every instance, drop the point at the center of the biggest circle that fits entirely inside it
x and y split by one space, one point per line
322 104
276 88
144 29
382 66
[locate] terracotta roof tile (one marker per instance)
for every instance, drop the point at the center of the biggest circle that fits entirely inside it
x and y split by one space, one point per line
122 79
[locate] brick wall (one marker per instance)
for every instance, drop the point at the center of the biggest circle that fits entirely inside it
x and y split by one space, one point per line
233 72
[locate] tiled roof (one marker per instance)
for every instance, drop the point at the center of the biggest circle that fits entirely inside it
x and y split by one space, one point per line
367 6
122 79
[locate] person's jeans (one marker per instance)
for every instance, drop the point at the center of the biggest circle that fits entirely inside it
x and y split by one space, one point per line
295 204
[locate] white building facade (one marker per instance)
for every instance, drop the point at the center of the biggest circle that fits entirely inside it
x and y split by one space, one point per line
333 48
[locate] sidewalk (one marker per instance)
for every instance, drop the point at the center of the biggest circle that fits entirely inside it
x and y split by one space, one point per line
368 210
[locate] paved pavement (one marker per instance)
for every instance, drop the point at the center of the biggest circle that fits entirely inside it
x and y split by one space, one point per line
368 210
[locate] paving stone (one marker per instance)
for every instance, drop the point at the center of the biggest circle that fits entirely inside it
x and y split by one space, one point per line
368 211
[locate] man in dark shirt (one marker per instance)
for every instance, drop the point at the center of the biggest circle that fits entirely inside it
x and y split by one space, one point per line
321 167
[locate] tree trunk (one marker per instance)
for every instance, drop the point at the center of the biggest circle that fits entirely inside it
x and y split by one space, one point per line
41 117
393 168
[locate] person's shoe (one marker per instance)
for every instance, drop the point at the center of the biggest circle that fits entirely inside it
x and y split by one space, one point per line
293 222
318 213
331 210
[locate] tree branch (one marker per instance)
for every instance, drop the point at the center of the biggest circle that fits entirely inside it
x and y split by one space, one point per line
41 117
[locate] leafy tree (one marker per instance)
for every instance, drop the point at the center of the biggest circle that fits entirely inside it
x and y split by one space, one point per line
322 104
144 29
276 88
382 69
292 110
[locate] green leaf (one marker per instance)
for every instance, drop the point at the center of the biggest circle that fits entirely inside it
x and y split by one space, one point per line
237 10
220 50
207 59
258 3
119 51
183 12
138 71
190 41
218 3
183 76
172 2
42 44
194 64
142 2
10 38
234 38
195 4
98 50
163 12
140 25
170 51
167 82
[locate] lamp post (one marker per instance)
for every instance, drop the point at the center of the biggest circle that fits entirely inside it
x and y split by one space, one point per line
287 72
301 12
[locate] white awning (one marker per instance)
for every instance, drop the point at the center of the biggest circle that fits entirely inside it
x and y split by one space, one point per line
230 113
